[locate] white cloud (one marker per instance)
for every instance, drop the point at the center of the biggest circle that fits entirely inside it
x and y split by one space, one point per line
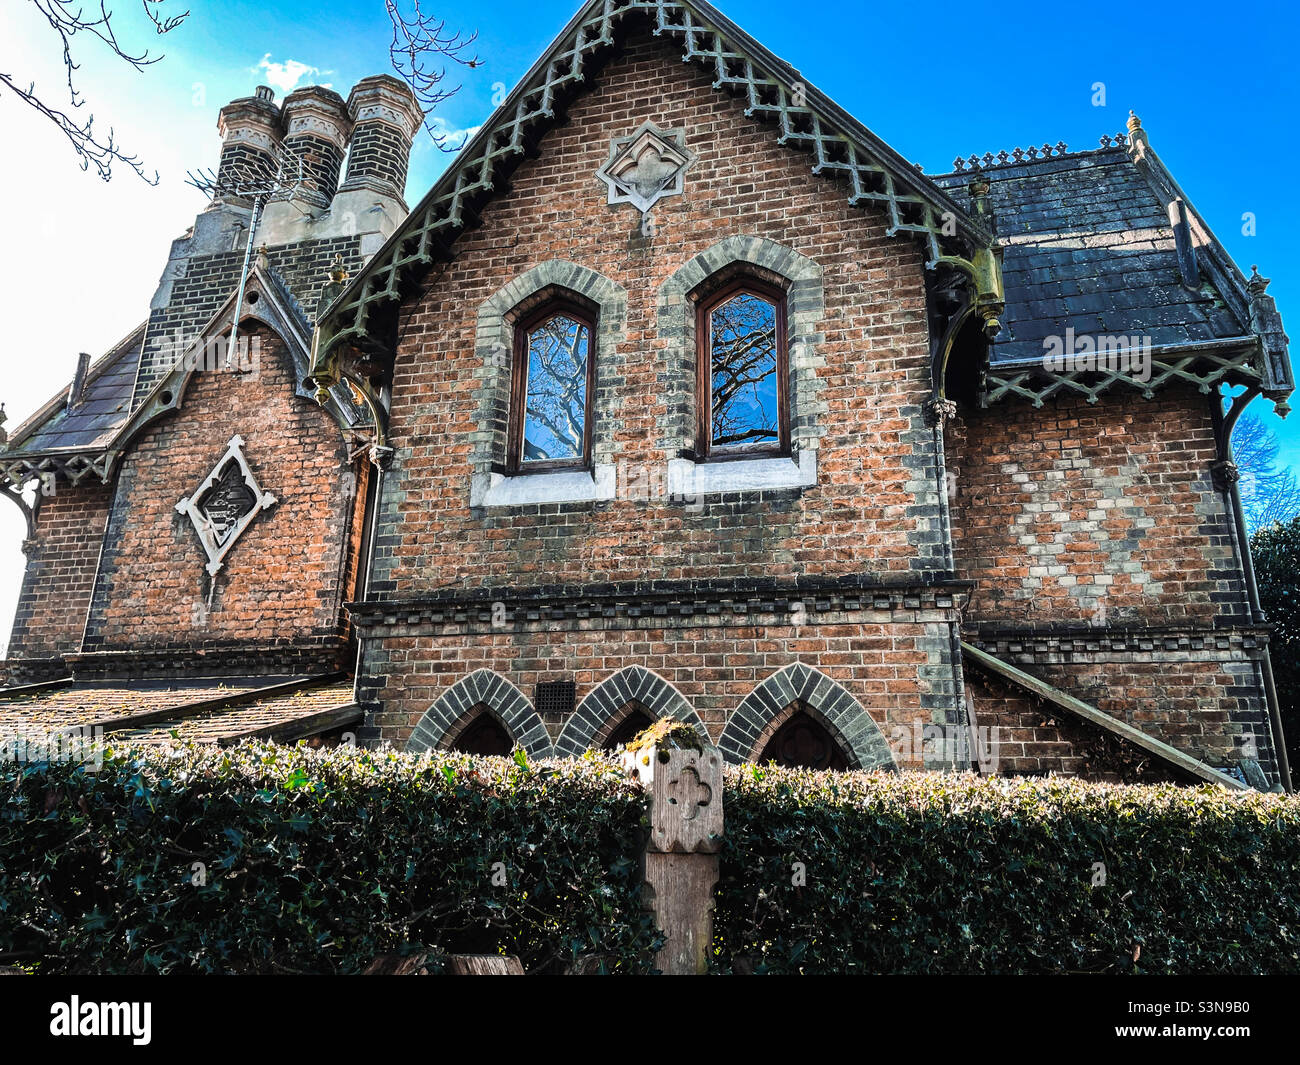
286 76
454 137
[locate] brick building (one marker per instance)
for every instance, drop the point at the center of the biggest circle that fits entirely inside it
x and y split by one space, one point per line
680 393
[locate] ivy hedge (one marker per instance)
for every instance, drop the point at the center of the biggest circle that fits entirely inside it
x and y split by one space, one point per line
930 873
265 858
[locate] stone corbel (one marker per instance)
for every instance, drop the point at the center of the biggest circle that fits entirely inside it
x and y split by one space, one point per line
984 273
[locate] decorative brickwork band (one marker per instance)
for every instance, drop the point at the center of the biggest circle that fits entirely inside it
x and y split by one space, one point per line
808 688
634 684
482 688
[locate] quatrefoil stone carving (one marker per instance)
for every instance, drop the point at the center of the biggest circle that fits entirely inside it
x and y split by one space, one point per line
686 801
647 166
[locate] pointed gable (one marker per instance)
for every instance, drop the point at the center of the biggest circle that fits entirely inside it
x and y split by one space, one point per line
800 116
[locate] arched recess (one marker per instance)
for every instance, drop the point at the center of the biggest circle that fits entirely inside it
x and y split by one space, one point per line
608 701
482 732
455 708
620 731
800 688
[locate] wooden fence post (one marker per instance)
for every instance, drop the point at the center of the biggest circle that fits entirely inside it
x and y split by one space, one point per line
681 858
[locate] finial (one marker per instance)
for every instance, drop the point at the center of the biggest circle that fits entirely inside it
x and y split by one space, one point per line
1133 121
1256 284
4 437
263 262
337 273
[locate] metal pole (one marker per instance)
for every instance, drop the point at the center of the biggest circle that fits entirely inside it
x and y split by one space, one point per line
243 279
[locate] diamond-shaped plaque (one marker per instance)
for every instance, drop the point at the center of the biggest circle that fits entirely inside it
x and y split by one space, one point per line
225 504
646 167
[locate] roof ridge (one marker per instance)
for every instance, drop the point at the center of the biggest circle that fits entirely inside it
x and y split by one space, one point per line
1023 156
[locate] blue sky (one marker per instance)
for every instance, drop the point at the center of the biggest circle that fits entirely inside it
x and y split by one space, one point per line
1216 87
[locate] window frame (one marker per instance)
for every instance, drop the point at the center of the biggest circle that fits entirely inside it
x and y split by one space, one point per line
704 447
518 413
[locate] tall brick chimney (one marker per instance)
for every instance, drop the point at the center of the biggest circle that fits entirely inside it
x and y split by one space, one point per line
386 116
250 134
316 129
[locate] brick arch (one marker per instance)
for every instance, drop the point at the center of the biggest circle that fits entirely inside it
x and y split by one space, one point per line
800 686
805 308
483 687
632 684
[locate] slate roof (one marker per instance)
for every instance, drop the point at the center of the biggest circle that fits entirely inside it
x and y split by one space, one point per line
104 407
114 384
207 711
1088 245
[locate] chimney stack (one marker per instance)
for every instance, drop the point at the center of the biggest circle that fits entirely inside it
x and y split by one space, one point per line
386 116
250 132
316 129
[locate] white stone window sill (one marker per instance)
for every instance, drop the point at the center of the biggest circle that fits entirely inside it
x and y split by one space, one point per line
554 486
689 480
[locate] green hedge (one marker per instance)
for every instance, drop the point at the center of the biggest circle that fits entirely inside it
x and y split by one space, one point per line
318 861
321 861
926 873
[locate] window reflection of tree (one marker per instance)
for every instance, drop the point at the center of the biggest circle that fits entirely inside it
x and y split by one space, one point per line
744 368
555 426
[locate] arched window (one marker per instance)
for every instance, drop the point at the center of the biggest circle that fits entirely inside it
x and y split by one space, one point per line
743 372
803 743
484 734
551 389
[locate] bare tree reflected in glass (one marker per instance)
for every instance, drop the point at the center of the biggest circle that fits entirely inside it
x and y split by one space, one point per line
556 406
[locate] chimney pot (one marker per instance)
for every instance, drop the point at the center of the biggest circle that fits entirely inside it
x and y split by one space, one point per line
250 133
316 130
386 116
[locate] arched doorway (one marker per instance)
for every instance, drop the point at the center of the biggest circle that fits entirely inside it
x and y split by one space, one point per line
484 734
803 743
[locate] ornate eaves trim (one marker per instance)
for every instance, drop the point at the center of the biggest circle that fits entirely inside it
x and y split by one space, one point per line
1205 364
805 118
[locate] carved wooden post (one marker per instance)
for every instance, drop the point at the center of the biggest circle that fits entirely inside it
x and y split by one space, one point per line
681 859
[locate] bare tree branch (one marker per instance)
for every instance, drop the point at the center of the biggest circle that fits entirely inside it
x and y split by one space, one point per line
1268 494
418 42
67 21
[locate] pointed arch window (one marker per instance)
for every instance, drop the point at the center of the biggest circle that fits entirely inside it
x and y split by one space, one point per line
552 389
743 372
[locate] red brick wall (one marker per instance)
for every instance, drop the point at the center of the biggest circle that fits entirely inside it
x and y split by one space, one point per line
60 573
284 580
1023 738
1060 508
714 666
875 352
